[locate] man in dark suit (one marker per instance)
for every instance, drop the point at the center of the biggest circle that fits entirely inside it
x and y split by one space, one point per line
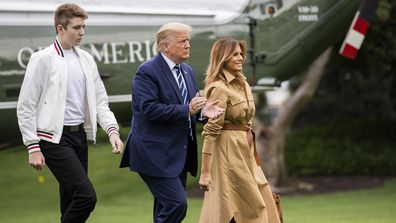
162 144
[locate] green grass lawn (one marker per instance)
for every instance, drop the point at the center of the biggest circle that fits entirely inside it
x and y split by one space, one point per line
123 197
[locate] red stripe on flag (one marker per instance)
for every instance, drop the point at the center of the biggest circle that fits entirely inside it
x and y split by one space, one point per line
361 25
349 51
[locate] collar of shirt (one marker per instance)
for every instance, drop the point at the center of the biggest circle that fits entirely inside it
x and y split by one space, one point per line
73 47
230 77
170 63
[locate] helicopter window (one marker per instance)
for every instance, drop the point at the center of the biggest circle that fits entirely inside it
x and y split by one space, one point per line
267 9
12 91
264 10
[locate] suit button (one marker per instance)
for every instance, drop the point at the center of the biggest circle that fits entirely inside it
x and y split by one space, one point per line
185 146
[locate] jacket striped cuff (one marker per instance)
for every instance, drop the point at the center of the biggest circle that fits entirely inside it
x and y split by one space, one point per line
34 147
112 130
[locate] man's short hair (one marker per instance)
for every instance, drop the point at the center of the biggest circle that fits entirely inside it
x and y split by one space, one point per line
166 33
67 11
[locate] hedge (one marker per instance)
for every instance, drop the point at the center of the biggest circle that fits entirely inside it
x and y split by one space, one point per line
342 147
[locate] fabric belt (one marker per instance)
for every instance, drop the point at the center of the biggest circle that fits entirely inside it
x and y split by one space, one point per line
73 128
251 138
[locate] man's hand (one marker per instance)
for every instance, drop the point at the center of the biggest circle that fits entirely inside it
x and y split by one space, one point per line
196 104
211 110
116 143
36 160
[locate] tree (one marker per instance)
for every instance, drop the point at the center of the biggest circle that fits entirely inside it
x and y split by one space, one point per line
271 138
361 88
371 77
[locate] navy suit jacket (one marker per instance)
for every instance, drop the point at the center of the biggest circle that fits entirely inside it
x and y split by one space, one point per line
159 144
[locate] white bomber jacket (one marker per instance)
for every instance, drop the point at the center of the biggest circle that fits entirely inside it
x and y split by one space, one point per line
42 100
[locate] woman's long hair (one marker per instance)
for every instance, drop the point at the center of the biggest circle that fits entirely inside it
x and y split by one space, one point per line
222 51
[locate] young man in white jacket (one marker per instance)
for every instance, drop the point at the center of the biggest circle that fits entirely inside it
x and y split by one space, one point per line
62 98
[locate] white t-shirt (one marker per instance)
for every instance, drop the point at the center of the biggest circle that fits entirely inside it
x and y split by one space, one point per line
75 97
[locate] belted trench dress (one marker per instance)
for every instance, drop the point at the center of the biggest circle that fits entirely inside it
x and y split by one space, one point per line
239 188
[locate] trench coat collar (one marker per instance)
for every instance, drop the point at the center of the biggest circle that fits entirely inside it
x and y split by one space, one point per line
230 77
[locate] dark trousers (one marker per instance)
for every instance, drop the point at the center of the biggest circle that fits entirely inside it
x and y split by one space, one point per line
68 162
170 200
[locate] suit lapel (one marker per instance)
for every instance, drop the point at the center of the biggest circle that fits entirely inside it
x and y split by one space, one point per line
169 77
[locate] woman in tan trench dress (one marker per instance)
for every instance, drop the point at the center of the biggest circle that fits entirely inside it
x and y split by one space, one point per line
236 189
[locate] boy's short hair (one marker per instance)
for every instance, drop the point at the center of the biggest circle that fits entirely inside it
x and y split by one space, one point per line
67 11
